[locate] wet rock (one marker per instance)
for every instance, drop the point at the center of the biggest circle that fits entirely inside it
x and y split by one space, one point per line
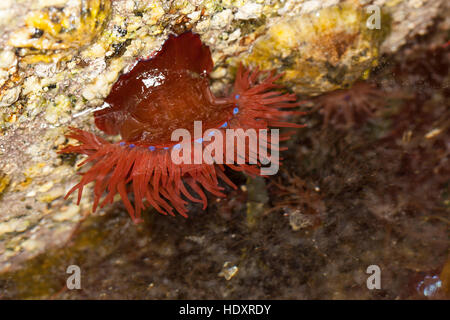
59 60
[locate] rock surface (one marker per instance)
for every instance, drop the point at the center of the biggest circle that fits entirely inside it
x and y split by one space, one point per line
49 81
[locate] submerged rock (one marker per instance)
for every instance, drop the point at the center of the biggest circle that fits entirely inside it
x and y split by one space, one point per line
59 59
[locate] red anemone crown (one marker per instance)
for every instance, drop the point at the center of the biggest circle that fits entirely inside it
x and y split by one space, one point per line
167 92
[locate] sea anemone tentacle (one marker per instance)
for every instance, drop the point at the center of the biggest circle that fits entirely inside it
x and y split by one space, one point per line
156 181
149 175
167 92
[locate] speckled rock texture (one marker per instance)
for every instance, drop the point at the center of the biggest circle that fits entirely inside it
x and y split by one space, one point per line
58 61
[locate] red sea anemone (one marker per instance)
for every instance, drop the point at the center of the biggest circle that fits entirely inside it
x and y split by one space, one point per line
346 108
167 92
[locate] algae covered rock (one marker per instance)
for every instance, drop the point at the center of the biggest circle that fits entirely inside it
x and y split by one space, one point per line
321 51
60 26
60 58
